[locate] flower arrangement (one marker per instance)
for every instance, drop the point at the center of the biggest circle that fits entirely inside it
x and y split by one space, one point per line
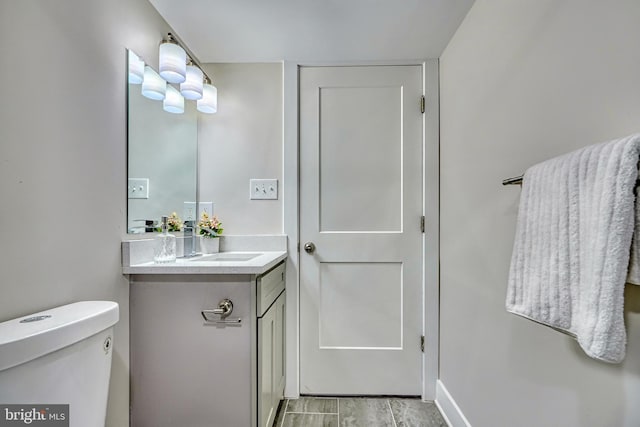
209 226
174 222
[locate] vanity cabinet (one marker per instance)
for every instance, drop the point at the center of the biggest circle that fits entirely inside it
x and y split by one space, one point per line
190 371
271 341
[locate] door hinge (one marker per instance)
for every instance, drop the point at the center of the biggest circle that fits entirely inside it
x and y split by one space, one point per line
298 246
422 104
422 343
422 223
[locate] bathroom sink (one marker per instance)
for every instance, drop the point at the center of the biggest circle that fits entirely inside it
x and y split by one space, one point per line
227 257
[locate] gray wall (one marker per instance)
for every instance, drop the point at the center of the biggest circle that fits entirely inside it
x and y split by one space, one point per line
243 140
523 81
63 158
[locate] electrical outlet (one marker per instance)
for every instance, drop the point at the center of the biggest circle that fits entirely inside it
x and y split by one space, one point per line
205 207
263 189
189 211
138 188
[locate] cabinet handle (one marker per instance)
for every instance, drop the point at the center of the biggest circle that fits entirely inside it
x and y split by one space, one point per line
208 316
225 308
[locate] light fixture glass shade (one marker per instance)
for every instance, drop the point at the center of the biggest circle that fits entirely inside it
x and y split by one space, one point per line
136 68
173 102
209 101
192 86
173 63
153 86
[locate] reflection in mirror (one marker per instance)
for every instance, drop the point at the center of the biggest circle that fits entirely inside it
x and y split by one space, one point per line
163 150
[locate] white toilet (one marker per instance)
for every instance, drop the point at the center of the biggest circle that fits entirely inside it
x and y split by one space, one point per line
60 356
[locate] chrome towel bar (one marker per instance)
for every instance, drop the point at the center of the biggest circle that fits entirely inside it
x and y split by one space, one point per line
516 180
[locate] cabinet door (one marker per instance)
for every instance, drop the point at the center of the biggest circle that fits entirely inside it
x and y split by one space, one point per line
266 353
185 372
279 343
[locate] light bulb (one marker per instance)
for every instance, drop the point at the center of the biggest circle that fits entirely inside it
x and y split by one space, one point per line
192 86
173 62
136 68
153 86
209 101
173 102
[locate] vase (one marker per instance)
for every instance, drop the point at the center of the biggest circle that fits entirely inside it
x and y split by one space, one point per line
209 245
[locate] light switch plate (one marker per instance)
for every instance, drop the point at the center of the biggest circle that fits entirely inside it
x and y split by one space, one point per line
263 189
138 188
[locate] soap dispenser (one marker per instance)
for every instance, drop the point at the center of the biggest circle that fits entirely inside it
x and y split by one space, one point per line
165 245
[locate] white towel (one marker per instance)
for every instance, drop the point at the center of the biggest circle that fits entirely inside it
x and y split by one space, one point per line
572 251
634 262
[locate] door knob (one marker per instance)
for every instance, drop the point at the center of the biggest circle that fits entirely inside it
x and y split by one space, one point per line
309 247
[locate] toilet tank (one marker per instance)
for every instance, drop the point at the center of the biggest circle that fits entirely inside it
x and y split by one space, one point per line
60 356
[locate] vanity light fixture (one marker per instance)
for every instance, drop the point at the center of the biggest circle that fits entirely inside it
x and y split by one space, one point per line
192 86
136 68
174 101
194 82
173 61
209 102
153 86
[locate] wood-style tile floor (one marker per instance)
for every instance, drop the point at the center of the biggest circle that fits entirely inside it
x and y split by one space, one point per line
358 412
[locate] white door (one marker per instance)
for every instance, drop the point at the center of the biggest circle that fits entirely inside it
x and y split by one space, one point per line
360 206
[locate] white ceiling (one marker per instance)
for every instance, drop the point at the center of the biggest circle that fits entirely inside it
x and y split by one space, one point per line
313 30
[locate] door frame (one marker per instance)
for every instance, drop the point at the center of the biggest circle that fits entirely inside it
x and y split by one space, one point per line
431 210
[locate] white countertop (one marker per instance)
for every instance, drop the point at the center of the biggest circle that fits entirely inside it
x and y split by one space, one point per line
257 265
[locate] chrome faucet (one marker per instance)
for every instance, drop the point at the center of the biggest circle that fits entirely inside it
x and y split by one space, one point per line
189 239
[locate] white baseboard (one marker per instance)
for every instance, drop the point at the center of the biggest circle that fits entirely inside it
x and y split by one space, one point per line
448 408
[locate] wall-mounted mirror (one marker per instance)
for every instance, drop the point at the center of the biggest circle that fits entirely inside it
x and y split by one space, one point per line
162 160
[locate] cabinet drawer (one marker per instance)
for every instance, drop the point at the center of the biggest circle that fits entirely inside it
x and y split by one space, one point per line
268 287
